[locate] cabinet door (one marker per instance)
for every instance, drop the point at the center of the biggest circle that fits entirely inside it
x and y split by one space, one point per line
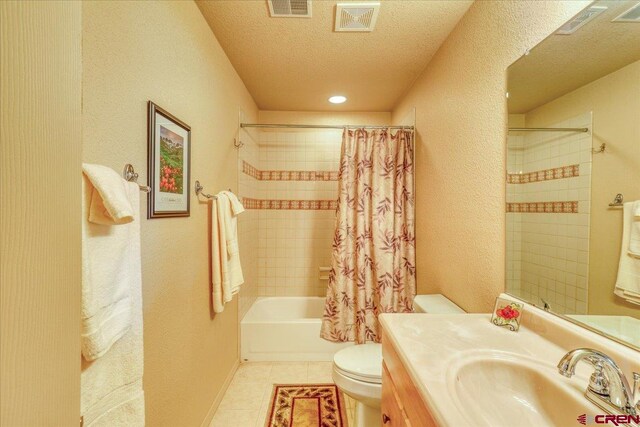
408 396
392 414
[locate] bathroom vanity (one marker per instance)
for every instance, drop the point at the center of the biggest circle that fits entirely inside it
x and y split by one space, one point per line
456 370
401 402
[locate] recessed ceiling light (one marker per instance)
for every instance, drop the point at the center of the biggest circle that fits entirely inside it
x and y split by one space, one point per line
338 99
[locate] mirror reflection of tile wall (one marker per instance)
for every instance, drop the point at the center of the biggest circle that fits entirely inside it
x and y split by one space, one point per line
548 202
565 242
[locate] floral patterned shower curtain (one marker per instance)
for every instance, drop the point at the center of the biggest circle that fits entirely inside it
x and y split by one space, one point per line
373 265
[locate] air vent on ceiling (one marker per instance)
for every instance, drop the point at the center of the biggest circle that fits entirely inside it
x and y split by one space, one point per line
579 20
356 16
290 8
631 15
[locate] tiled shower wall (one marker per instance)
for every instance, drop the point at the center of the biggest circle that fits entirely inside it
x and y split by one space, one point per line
284 240
548 203
248 222
293 244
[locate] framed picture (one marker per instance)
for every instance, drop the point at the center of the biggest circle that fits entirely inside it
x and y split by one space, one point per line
169 156
507 314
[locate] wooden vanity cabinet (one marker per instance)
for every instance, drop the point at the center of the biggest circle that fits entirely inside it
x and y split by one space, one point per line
402 405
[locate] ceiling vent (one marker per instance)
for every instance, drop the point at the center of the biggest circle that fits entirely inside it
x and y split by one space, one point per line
356 16
631 15
290 8
579 20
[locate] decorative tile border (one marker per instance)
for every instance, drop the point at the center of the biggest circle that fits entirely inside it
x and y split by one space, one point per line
301 205
248 169
543 207
544 175
277 175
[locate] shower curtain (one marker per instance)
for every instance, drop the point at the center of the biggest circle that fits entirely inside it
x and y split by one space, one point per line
373 264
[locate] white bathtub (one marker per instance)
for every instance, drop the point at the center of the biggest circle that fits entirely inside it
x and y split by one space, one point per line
285 329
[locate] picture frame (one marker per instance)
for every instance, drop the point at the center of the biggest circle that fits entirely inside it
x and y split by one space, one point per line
507 314
169 164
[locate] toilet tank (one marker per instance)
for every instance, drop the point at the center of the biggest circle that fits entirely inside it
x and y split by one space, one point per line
435 304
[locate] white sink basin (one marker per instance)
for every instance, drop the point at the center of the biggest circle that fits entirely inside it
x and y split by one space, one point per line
503 389
469 372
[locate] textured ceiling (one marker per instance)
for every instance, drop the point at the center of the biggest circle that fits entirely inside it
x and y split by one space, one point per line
297 63
562 63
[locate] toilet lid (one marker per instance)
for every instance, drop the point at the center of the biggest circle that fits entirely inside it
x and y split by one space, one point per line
362 362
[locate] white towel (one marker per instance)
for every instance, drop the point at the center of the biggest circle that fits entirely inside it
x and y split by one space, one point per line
236 206
107 275
226 271
628 283
634 234
109 203
111 386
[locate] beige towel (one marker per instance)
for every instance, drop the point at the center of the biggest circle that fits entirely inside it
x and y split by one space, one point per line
628 282
226 270
109 203
634 233
111 386
106 261
236 206
232 235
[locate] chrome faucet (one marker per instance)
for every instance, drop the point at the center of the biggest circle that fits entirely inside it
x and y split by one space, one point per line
608 387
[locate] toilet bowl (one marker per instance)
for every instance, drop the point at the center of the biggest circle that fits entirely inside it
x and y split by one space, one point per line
357 370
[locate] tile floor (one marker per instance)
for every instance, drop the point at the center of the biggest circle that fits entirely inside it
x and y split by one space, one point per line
246 402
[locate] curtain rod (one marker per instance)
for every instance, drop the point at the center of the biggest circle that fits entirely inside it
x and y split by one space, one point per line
551 129
274 126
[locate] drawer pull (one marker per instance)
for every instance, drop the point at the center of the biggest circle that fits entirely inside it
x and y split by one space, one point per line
385 418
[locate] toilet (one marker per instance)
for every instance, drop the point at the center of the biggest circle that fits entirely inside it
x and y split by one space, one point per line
357 370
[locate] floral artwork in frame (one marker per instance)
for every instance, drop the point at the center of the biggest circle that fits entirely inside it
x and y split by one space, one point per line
169 154
507 314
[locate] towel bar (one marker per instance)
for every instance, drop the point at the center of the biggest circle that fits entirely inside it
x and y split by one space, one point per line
199 191
132 176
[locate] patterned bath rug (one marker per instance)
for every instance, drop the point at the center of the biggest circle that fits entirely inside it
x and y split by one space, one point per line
306 405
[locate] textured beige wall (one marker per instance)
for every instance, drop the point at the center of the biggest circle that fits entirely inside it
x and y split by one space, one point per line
166 52
40 130
460 147
615 103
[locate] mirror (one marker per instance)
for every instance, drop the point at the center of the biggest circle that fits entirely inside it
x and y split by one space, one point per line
573 145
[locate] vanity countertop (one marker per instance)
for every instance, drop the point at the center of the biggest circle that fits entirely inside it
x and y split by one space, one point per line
433 347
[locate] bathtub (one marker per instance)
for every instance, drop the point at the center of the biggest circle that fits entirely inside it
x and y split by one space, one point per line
285 329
